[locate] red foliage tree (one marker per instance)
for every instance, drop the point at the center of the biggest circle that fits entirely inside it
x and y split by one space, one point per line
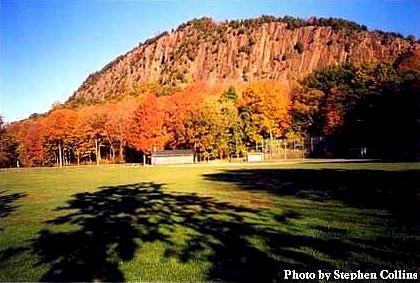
147 129
118 123
29 134
177 110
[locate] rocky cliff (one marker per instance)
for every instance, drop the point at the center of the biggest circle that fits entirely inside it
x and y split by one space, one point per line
263 48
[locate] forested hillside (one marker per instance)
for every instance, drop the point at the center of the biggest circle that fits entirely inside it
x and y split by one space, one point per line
238 51
222 88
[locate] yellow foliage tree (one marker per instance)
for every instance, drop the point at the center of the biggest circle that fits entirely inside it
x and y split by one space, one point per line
267 104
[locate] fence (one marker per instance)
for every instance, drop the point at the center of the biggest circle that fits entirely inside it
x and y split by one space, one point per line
282 149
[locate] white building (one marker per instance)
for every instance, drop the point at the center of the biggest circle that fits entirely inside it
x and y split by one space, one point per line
255 157
178 156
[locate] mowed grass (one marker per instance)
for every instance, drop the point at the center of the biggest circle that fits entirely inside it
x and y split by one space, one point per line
204 223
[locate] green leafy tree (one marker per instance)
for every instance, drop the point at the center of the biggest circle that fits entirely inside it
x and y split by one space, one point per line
216 129
8 146
359 106
232 133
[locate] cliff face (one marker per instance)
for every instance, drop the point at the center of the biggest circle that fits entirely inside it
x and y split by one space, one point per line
202 50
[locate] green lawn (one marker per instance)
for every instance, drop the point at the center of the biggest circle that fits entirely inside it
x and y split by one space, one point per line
202 223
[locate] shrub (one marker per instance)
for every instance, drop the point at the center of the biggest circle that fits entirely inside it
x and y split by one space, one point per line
299 47
245 49
347 47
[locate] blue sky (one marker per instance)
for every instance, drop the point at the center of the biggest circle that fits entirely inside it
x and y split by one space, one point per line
48 48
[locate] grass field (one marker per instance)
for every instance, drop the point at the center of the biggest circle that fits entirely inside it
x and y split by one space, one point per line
199 223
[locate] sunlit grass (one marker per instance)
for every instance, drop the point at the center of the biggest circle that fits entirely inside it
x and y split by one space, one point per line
198 223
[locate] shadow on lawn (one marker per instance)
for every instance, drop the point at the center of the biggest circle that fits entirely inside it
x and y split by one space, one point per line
7 203
395 191
7 206
115 222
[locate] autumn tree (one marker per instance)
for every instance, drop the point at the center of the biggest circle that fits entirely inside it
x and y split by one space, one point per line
305 106
117 124
147 129
215 128
177 109
59 133
94 130
204 129
29 136
264 108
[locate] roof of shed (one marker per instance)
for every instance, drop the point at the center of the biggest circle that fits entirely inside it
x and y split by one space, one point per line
175 152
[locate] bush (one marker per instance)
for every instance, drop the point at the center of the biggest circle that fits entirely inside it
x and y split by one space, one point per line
299 47
347 47
245 49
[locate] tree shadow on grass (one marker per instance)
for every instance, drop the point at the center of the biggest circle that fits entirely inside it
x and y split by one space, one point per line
7 201
395 191
242 244
112 222
385 202
7 206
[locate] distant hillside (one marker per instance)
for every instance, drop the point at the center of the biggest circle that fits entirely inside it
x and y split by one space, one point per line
237 51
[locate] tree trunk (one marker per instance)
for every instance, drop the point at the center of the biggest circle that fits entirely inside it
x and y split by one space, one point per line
78 157
112 154
285 149
121 152
97 153
271 145
60 155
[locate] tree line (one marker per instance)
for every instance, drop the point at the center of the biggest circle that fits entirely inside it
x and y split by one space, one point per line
215 125
368 105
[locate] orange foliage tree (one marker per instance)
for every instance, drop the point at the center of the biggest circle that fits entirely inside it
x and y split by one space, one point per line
60 133
94 120
147 129
117 125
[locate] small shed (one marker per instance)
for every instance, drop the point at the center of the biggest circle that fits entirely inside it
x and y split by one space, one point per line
177 156
255 157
